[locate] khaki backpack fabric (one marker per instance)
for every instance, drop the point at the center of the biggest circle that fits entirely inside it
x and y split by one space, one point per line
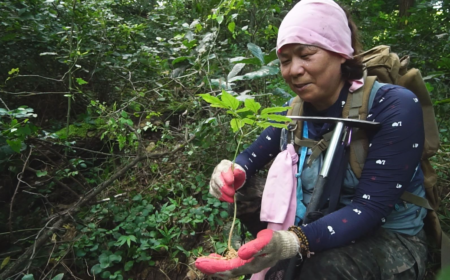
386 67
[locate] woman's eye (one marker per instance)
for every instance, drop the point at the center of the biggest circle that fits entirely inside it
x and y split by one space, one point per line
305 56
285 61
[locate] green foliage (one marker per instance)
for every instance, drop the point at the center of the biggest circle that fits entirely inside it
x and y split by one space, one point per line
105 76
249 114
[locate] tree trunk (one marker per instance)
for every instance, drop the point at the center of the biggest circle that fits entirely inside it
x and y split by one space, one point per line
405 5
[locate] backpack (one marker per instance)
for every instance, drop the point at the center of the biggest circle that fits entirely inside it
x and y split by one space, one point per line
386 67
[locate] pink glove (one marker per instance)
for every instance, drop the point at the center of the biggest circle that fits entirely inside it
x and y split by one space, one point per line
265 251
225 182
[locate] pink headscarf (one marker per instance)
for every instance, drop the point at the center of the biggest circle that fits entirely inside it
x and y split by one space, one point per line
320 23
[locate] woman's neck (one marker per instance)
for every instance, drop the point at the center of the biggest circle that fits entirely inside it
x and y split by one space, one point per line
327 103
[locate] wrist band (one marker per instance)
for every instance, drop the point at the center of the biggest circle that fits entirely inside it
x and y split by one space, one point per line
304 244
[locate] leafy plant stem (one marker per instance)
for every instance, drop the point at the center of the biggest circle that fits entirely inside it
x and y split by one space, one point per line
232 226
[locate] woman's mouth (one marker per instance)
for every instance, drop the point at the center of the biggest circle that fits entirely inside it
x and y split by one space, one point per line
300 87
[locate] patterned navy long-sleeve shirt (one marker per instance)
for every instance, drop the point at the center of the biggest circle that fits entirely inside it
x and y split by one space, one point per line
394 153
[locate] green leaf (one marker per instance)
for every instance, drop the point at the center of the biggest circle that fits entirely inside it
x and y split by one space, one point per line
81 82
234 123
214 101
40 173
224 214
256 51
104 260
12 71
261 73
219 19
229 100
179 59
114 258
277 118
252 105
96 269
274 110
248 121
58 277
244 60
5 262
231 26
242 110
137 197
270 57
236 69
15 144
28 277
128 265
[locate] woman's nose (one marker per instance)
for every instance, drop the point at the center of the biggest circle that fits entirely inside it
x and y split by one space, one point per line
297 68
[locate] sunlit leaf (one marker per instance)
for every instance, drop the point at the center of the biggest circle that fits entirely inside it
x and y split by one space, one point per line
236 69
229 100
40 173
81 82
274 110
263 72
252 105
214 101
231 26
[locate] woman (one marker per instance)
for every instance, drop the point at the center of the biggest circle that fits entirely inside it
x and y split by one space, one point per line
374 235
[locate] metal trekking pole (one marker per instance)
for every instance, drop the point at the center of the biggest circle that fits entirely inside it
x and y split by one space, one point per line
313 206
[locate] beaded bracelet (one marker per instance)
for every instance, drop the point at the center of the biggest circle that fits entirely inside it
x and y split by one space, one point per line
304 244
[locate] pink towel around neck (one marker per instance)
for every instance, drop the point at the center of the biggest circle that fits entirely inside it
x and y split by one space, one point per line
279 200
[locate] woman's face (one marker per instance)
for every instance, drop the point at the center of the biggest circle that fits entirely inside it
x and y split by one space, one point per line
314 74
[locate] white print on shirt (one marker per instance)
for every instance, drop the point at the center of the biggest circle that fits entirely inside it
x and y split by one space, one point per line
417 167
383 220
270 155
397 124
382 162
370 145
343 103
366 196
369 115
381 100
399 186
357 211
246 167
250 160
415 145
253 154
416 100
268 138
331 230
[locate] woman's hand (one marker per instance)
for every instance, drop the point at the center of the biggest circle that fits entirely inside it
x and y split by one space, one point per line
265 251
225 181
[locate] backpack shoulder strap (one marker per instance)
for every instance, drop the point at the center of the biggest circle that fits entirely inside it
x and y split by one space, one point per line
295 126
357 107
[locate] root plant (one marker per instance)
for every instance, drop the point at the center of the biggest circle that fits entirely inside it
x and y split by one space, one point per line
245 120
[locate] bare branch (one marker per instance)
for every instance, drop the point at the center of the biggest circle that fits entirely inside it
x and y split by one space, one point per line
29 93
42 77
19 177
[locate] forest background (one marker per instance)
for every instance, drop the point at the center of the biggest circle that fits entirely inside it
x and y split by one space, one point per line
106 148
